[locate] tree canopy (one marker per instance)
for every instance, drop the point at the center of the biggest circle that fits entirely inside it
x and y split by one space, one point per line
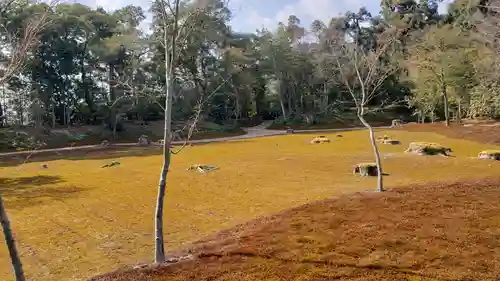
93 66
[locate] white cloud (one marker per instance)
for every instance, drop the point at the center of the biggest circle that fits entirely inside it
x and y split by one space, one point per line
305 10
254 20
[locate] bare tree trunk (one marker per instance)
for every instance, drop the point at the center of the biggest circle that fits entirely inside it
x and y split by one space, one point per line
159 241
380 176
169 59
459 113
11 245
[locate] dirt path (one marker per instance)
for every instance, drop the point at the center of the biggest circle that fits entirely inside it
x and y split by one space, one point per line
251 132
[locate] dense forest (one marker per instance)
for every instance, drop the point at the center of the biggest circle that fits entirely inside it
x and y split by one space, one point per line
91 66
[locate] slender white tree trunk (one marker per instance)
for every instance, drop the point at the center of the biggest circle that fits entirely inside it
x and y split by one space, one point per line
373 141
159 242
446 108
283 110
459 113
11 244
159 237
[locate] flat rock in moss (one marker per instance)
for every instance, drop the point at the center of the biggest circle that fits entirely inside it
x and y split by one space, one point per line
390 141
320 139
489 154
202 168
112 164
428 148
365 169
143 140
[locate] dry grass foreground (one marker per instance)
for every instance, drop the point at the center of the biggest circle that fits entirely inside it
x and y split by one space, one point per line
74 219
403 234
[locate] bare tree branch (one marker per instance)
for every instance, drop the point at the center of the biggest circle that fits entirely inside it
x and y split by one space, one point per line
20 48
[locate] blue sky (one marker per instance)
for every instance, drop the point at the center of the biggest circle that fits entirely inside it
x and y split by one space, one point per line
249 15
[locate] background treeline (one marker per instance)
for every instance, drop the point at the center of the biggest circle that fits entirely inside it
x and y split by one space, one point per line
97 67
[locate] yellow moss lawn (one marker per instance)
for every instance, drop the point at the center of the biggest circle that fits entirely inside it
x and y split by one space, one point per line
74 219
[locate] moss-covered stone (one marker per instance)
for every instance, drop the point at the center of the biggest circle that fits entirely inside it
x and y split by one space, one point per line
112 164
428 148
320 139
390 141
143 141
489 154
365 169
202 168
396 122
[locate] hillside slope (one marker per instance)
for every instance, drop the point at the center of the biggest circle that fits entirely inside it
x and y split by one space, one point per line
439 232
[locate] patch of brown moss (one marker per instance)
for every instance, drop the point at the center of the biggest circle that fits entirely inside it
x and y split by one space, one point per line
430 232
477 132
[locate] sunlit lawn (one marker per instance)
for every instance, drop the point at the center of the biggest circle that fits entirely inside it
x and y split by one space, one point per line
75 219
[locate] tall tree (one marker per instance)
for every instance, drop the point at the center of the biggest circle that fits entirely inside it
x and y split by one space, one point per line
19 41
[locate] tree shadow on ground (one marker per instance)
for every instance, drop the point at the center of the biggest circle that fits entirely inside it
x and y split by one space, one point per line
83 154
97 153
29 191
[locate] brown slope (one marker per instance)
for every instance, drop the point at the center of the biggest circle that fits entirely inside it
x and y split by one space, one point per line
482 132
435 232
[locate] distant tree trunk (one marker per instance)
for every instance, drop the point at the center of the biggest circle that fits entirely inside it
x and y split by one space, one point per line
20 111
112 99
459 112
283 109
2 115
446 106
86 92
114 126
53 116
237 114
282 103
290 110
373 141
11 244
446 110
68 117
280 90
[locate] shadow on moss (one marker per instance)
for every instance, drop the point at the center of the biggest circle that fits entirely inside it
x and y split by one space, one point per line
29 191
